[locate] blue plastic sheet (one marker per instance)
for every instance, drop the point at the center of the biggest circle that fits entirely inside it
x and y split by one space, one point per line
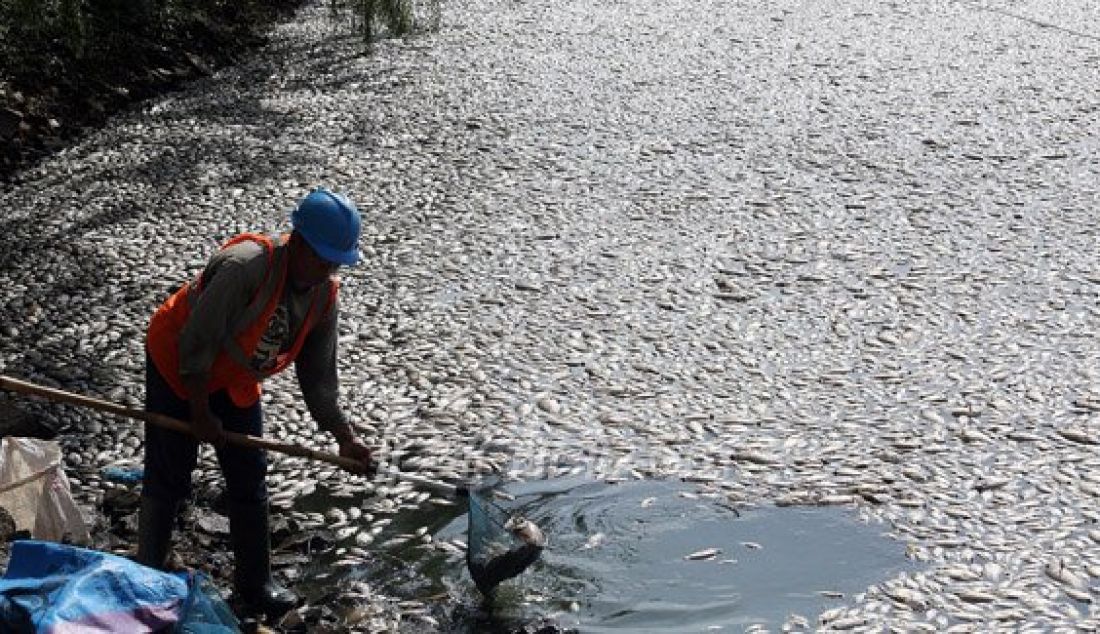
54 588
124 475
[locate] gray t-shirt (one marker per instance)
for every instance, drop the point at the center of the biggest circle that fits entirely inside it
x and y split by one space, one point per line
230 280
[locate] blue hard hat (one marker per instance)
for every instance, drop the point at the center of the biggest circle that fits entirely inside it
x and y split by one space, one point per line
330 224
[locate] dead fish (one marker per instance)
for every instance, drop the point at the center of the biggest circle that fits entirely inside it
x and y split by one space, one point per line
973 435
753 457
975 596
848 623
1078 595
960 573
751 545
911 598
527 531
394 542
594 541
1061 573
1078 436
450 549
990 484
648 502
703 555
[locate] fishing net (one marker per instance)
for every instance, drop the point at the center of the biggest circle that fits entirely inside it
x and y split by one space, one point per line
502 543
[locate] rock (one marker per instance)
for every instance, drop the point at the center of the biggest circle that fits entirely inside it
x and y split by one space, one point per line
311 541
213 523
120 500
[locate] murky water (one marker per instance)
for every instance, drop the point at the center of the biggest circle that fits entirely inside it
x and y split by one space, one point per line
618 560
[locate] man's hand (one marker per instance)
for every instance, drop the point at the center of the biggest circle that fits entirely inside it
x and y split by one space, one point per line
352 447
208 428
204 424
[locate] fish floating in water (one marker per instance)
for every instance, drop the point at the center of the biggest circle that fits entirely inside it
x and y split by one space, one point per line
703 555
594 541
526 530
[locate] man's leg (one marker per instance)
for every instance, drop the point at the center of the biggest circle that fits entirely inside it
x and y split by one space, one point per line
245 470
169 459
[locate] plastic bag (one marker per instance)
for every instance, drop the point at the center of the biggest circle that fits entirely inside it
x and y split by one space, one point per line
204 611
35 491
53 588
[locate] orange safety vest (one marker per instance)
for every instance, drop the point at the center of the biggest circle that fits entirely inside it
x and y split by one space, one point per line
231 370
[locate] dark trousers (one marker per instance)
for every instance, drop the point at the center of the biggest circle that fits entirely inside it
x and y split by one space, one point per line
170 456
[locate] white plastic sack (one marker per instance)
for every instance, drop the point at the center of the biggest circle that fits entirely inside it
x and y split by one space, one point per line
35 491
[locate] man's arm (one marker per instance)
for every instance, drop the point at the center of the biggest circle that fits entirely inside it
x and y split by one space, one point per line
316 371
205 426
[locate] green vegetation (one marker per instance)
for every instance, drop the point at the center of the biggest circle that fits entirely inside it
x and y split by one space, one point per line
46 41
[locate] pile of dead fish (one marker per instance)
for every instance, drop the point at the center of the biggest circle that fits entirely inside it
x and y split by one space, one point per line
793 255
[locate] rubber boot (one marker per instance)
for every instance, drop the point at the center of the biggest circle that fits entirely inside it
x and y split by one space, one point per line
155 521
251 538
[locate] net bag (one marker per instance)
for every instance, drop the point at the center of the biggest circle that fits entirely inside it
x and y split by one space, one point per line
502 544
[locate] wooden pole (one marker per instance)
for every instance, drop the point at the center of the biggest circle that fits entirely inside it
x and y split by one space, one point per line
160 420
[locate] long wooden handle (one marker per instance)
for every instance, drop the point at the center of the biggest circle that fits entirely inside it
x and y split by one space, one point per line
167 422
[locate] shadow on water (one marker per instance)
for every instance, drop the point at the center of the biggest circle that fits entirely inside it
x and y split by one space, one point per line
645 556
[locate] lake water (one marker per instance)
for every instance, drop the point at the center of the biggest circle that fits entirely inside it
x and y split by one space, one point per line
617 561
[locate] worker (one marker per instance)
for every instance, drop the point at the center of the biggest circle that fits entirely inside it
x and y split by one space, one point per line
260 304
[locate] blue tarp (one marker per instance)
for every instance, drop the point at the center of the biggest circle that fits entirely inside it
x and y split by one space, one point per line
52 588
